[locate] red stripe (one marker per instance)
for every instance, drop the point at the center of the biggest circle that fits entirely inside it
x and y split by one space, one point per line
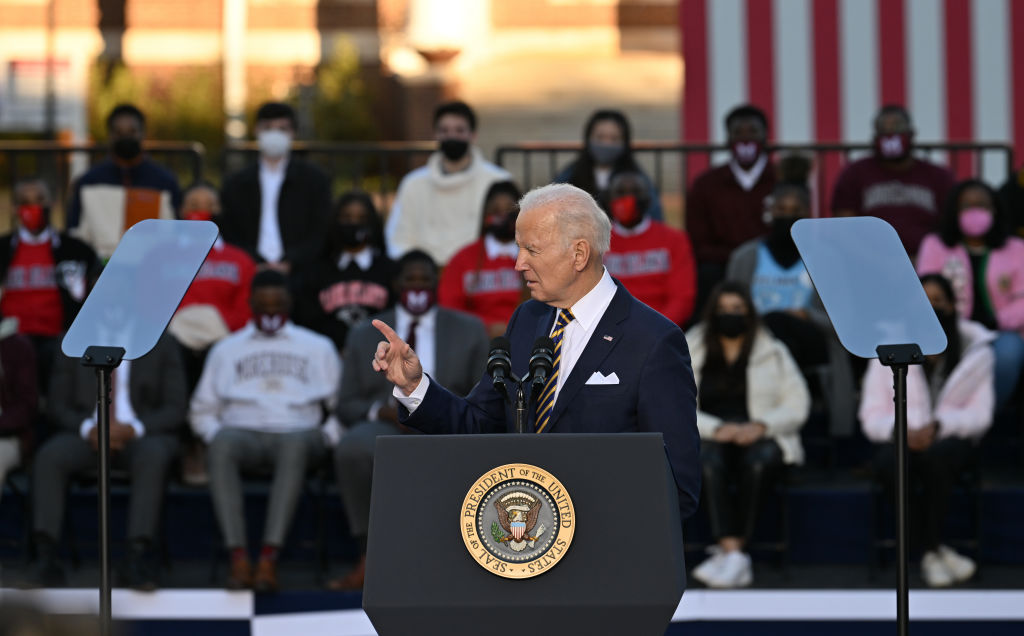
1017 74
892 56
958 80
825 35
760 58
693 22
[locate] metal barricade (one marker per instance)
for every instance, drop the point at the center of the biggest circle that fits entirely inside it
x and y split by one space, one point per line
668 164
59 164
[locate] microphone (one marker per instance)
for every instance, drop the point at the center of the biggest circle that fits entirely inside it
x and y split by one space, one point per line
499 364
542 359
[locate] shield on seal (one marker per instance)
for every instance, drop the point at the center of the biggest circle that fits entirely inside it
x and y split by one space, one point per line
518 528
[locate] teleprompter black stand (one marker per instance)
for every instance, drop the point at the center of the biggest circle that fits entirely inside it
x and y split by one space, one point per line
104 360
622 574
899 358
122 319
878 308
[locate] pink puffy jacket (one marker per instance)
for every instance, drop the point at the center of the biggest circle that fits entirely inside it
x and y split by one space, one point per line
964 405
1004 276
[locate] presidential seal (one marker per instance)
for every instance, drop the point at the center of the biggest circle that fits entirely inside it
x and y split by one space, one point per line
517 521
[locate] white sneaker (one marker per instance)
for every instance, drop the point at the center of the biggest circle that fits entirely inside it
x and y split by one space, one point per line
709 567
934 571
961 567
735 571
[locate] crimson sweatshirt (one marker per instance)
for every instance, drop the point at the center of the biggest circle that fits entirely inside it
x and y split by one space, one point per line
655 263
223 281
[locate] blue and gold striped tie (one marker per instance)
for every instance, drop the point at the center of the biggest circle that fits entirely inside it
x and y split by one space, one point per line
547 396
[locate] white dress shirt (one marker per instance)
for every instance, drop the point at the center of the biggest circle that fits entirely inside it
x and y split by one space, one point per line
363 259
269 243
425 349
122 411
587 313
496 248
748 178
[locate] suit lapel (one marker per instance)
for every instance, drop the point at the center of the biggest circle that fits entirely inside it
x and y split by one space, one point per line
441 360
594 352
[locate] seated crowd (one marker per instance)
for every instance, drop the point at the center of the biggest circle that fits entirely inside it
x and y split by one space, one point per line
264 368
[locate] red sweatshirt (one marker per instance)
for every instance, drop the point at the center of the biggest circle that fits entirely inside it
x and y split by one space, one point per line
721 215
655 263
488 288
30 291
223 281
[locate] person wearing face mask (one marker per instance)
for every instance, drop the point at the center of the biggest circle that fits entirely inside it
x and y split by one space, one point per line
607 149
123 189
892 184
481 278
437 207
278 208
751 403
653 260
950 403
45 274
350 279
260 404
453 349
217 301
725 206
784 296
985 264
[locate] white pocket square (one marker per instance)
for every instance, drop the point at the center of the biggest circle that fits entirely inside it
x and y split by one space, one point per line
598 378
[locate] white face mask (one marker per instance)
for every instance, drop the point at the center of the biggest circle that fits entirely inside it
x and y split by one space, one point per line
274 144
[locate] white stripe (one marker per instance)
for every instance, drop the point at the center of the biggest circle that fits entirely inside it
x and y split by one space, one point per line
855 605
858 67
128 604
791 45
990 75
926 61
727 50
338 623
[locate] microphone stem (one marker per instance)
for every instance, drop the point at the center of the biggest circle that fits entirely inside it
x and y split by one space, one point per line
520 408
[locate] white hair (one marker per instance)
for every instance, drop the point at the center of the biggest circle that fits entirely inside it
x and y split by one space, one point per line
577 214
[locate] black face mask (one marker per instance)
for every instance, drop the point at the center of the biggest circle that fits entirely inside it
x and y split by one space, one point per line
127 148
729 325
454 149
504 231
948 321
349 235
780 242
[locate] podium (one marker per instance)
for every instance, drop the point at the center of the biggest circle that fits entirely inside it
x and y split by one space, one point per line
622 573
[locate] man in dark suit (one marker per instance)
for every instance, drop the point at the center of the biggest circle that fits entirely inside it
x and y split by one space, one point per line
452 348
148 403
278 208
620 366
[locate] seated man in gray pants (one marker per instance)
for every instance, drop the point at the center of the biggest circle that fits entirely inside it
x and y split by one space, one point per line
259 405
148 406
451 345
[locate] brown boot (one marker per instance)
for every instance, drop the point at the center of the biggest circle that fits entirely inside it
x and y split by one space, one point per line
266 576
240 577
353 581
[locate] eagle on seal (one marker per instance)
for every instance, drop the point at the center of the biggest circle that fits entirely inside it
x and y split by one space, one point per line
518 523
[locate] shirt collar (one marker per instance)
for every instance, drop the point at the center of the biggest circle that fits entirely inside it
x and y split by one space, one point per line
404 317
496 248
28 238
749 178
589 309
639 228
363 258
274 173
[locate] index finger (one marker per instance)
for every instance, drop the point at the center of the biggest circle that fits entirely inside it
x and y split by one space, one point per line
387 331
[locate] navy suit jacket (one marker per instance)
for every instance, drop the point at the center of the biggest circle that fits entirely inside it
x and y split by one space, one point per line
655 393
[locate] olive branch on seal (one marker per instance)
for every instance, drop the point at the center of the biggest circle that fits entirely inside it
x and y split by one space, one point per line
496 531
